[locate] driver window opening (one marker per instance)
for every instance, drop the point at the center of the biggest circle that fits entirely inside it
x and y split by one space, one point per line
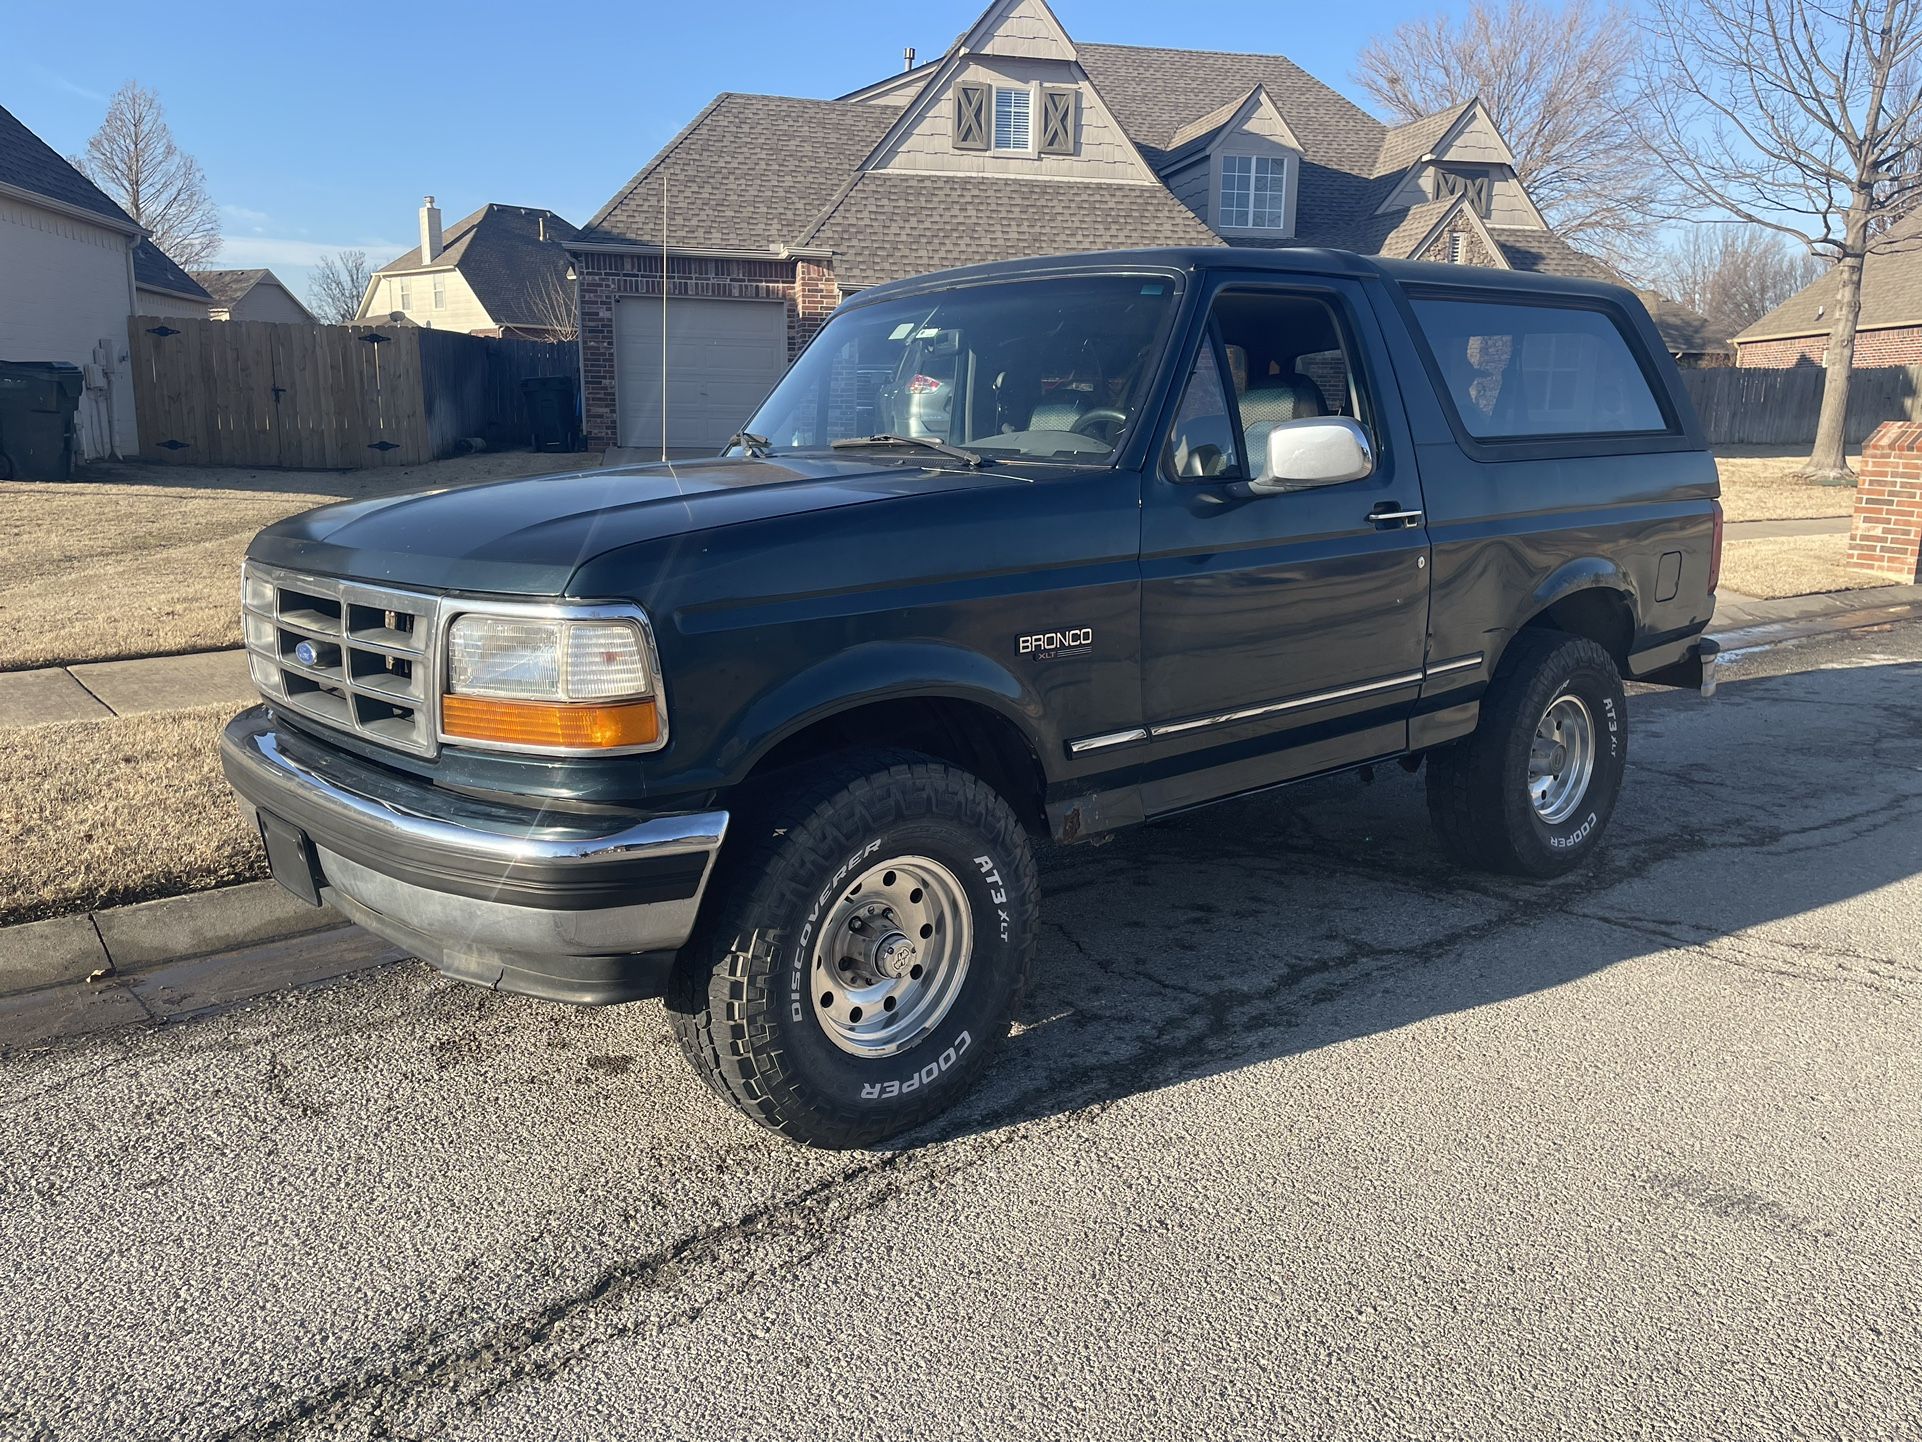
1280 358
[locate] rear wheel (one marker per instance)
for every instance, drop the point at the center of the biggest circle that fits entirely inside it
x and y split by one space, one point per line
1531 791
862 954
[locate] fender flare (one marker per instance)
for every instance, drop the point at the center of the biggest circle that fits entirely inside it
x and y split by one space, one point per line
1572 578
875 672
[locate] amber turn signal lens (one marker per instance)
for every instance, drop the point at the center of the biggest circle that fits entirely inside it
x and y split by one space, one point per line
543 723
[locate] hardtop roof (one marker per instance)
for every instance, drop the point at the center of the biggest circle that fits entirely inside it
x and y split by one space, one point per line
1289 260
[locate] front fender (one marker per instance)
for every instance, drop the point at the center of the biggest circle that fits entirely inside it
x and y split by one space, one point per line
874 672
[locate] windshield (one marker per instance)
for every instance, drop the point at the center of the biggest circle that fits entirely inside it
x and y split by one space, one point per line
1037 370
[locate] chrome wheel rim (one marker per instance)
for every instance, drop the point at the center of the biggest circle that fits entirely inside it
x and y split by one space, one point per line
1561 759
892 956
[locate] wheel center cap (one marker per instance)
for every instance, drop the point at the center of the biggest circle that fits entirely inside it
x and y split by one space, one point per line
1558 759
895 956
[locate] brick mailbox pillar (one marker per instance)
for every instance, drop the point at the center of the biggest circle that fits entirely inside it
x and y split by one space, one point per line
1887 534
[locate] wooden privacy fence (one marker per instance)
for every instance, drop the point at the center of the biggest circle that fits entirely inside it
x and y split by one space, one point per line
1757 407
326 397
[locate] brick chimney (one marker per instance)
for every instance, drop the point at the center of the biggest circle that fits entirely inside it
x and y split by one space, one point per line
429 230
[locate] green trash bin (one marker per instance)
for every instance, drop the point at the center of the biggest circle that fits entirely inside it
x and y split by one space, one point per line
38 400
553 414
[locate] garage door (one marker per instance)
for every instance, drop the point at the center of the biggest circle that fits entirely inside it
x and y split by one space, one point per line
723 356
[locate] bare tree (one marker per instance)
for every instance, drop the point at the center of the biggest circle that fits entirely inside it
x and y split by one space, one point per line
1733 274
1557 81
340 280
1801 116
551 306
133 157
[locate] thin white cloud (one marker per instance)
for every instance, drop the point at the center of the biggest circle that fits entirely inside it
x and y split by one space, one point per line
62 83
245 216
248 251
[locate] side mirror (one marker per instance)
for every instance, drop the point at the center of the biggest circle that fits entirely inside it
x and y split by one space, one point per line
1318 451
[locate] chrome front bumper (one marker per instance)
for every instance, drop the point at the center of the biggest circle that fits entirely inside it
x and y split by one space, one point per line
548 903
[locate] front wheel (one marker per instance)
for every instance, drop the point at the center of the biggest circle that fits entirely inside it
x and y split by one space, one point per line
862 954
1531 791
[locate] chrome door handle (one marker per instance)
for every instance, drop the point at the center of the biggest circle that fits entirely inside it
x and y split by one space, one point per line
1410 517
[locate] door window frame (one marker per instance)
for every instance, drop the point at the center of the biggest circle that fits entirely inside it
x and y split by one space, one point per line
1361 374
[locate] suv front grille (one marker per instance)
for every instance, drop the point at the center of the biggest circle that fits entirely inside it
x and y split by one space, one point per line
353 656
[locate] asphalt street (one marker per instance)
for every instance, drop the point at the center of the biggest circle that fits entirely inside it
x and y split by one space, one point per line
1305 1133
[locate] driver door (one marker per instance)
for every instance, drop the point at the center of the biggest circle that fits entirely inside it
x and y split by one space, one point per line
1281 634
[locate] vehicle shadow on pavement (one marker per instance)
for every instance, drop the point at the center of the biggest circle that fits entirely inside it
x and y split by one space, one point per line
1308 917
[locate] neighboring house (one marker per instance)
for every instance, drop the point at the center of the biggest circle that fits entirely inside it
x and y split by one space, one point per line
1019 140
162 288
501 271
1888 331
67 282
252 295
1690 337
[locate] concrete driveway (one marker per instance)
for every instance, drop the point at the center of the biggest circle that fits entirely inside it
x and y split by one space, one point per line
1305 1134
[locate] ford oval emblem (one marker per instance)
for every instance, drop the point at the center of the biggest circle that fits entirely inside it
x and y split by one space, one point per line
307 653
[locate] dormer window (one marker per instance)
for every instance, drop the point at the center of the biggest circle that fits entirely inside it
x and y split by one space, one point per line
1028 120
1254 192
1013 119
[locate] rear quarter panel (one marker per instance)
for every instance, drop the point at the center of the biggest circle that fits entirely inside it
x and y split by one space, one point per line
1515 529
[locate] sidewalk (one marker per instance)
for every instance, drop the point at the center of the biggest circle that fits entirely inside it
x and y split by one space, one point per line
1775 530
93 690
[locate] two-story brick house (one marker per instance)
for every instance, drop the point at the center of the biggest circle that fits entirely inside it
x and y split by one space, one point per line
1019 140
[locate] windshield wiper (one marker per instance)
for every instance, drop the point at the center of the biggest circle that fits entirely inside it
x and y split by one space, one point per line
926 443
756 446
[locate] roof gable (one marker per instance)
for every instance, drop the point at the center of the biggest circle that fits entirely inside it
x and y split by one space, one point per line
227 288
1253 114
1017 29
1403 146
29 164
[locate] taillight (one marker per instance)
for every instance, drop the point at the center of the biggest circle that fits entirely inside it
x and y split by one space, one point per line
921 385
1715 552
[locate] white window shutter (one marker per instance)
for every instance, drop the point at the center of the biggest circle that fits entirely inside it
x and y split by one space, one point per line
971 117
1058 117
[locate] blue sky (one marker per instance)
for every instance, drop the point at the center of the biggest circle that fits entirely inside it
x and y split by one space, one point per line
320 127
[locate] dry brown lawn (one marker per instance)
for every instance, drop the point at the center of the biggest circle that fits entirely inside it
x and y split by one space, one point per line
95 813
136 560
1760 485
1792 566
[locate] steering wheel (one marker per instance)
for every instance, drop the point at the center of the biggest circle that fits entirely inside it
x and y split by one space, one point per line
1105 416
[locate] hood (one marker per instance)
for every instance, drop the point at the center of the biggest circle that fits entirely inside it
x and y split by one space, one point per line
528 536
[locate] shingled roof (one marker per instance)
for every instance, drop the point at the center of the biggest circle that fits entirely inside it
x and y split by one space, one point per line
154 269
226 288
506 254
1891 294
894 224
748 172
28 163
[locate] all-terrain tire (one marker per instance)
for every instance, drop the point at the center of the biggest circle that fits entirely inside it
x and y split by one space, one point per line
743 993
1478 787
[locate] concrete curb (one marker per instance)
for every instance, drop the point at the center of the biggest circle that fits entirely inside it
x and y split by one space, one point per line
157 960
123 939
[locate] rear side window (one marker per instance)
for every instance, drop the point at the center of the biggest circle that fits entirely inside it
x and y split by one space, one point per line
1538 370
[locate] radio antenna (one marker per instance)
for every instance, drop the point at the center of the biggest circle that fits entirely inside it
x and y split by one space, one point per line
664 314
